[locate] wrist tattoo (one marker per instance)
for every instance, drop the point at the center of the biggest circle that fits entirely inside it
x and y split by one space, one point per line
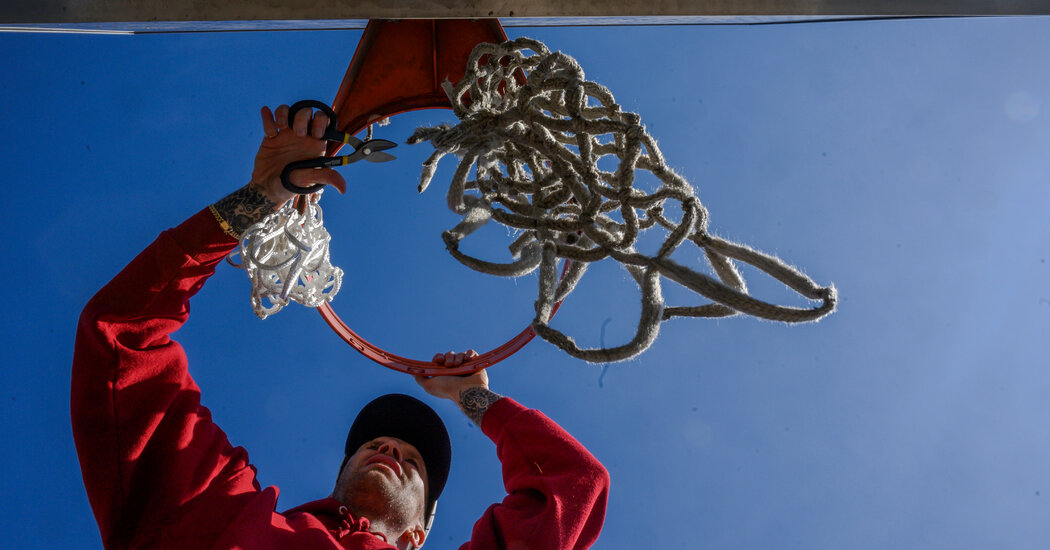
244 207
475 401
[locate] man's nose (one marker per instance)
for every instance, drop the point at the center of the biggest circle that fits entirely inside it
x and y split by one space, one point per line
391 448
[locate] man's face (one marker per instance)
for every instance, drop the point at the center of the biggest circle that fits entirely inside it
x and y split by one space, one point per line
391 471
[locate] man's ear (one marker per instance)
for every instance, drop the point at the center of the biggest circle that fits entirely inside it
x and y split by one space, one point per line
414 536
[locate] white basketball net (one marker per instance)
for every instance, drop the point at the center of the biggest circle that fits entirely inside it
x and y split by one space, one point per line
536 149
286 258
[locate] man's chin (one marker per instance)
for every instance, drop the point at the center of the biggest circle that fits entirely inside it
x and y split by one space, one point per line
376 483
379 478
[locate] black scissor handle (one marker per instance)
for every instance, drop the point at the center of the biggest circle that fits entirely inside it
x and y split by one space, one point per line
298 165
333 119
331 130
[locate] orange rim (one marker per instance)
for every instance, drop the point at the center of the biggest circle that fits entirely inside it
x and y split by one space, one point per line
428 368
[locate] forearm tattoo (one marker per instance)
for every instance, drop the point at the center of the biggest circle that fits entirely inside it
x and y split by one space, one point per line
244 207
475 401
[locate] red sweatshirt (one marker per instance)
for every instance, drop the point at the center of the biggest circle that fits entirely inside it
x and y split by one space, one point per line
160 474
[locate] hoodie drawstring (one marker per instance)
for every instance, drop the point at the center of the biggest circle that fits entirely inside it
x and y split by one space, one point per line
348 524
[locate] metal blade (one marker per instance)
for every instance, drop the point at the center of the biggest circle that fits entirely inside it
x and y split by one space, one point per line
379 156
374 145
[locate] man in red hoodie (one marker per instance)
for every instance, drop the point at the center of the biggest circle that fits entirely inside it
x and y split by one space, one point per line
160 474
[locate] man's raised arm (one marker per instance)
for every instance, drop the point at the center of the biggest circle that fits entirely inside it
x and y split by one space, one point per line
556 490
147 448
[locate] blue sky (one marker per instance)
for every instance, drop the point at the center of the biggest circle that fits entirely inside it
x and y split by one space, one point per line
904 161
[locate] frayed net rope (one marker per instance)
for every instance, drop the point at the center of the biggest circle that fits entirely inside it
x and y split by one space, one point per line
286 257
536 149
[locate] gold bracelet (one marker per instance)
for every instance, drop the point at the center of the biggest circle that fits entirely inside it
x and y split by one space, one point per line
226 227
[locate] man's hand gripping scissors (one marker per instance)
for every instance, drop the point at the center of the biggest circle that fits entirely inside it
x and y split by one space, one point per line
370 150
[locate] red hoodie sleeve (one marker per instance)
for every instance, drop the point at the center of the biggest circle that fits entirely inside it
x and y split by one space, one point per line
147 447
556 490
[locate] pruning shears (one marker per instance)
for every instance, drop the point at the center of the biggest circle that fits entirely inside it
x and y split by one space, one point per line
370 150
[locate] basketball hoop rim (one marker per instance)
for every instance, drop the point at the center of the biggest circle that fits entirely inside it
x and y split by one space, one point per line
429 368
